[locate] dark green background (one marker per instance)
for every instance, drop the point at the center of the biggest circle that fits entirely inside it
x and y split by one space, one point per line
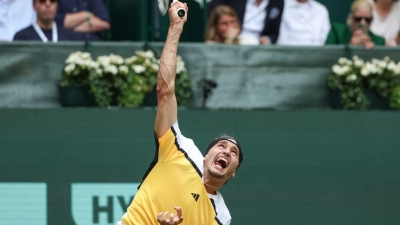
305 167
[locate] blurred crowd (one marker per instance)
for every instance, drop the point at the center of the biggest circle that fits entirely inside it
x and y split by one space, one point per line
302 23
56 20
242 22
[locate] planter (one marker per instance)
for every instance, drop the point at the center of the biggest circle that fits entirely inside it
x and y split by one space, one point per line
73 96
334 99
376 101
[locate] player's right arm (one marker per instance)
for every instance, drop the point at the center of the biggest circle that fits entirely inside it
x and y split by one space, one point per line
167 112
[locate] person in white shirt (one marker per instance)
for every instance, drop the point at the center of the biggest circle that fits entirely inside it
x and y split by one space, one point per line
304 22
14 16
386 22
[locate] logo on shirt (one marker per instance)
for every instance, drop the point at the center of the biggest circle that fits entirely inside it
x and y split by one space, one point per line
195 196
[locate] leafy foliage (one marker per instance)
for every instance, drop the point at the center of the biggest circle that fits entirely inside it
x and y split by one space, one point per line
353 77
114 80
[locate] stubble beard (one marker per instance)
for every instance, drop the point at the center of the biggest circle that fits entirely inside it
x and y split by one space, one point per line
215 174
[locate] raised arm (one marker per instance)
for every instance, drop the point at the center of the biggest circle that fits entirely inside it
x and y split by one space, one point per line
167 112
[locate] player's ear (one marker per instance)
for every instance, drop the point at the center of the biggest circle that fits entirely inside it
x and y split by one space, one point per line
233 175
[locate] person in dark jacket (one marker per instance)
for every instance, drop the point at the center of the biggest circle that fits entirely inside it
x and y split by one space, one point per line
45 28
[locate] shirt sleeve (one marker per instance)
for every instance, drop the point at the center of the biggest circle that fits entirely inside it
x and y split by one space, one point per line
173 145
60 16
331 39
100 10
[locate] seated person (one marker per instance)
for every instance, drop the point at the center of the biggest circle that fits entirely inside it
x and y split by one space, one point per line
14 16
387 19
304 22
223 26
356 32
260 19
45 28
398 38
88 17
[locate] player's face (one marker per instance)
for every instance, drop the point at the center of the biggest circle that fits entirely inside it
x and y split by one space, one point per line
45 9
222 160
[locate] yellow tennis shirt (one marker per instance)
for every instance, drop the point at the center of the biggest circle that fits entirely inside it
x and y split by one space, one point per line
174 178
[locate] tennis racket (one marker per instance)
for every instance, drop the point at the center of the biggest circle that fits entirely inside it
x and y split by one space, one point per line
163 6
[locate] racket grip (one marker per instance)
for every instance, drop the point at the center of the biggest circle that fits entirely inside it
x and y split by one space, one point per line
181 12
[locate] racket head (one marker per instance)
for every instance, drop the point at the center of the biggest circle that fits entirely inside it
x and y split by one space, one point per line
163 6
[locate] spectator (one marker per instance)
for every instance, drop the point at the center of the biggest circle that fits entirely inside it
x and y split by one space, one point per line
260 19
14 16
88 17
386 21
45 27
223 26
304 22
398 38
356 32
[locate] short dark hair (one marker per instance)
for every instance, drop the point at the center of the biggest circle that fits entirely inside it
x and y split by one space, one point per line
228 138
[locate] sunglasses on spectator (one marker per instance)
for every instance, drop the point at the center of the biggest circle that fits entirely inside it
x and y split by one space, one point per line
359 19
44 1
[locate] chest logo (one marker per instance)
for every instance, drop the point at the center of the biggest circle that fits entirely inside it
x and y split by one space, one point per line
195 196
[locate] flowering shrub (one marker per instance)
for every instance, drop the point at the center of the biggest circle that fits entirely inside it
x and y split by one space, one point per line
352 77
125 81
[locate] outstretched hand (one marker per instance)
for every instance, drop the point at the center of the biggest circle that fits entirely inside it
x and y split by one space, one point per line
173 12
173 218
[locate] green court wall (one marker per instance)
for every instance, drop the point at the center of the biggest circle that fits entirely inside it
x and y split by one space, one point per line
300 167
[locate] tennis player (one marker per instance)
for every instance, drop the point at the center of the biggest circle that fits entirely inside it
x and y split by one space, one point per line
181 185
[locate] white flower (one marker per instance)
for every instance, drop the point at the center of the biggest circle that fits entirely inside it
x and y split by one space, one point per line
111 69
337 69
155 67
86 55
382 64
69 68
178 58
340 70
147 62
375 61
71 59
116 59
359 63
131 60
103 60
138 68
80 62
150 54
351 78
342 61
355 57
372 68
397 70
386 59
180 67
123 69
365 72
88 63
93 65
99 72
391 66
379 71
147 54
